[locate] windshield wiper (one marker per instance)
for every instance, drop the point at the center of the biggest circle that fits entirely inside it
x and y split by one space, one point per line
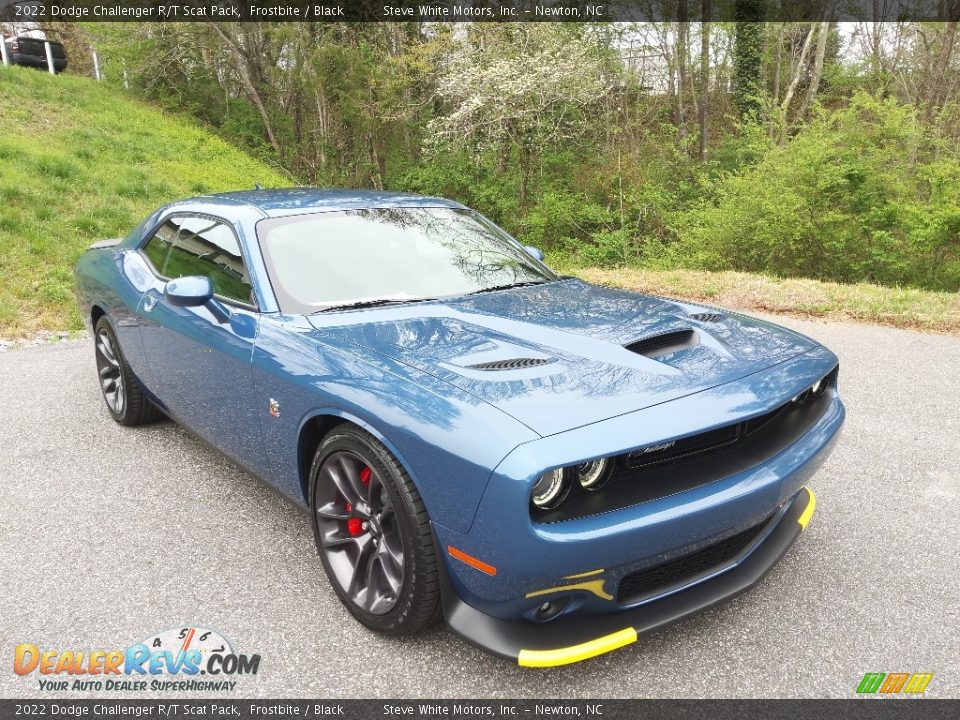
508 286
375 302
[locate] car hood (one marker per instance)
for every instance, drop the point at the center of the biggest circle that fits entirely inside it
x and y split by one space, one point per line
562 355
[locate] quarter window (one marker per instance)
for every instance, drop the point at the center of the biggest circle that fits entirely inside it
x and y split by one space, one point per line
200 246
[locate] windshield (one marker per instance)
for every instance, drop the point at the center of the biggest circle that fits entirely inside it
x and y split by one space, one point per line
379 255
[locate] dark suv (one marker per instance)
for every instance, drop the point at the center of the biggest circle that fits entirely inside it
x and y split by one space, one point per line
30 51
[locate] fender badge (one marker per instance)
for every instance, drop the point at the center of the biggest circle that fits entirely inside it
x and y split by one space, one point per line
274 408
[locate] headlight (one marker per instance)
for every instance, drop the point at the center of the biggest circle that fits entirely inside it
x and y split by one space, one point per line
593 474
550 489
818 387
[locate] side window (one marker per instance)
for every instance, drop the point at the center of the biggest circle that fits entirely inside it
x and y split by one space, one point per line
158 247
201 246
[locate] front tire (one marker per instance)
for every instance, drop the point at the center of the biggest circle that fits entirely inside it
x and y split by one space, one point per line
373 534
122 392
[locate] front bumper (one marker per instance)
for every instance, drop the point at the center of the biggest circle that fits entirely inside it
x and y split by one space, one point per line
572 638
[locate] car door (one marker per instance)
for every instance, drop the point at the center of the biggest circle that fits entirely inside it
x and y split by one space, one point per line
200 366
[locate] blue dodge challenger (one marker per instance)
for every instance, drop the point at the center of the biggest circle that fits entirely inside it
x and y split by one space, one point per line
552 467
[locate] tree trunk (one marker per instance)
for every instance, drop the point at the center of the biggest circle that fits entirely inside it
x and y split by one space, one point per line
778 63
683 40
748 58
526 163
704 75
777 70
798 72
817 70
938 80
375 160
322 125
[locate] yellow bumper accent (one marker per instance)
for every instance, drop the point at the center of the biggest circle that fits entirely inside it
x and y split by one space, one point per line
808 513
594 586
590 573
576 653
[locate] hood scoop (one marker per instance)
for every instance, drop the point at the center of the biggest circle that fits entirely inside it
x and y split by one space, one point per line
665 343
521 363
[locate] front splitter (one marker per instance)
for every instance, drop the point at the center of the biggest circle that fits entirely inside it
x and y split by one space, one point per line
574 638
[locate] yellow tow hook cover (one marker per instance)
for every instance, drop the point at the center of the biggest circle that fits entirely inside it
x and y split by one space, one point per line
576 653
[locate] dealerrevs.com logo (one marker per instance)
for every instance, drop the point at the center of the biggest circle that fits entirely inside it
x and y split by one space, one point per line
179 659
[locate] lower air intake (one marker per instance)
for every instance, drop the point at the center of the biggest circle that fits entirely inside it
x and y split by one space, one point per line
659 578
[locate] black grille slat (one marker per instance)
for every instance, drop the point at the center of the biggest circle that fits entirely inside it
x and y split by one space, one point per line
638 585
664 343
511 364
754 424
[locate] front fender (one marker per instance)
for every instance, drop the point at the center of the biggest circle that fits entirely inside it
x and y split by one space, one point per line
447 440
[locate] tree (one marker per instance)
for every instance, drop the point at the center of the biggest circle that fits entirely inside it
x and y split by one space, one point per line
798 71
747 58
816 73
519 95
683 44
704 76
938 85
245 60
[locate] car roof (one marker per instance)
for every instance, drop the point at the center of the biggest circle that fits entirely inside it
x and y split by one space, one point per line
293 201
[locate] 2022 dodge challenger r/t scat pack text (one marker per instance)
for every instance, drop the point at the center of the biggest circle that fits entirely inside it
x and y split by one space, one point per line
551 466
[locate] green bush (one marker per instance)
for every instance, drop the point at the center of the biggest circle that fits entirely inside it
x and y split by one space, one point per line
855 196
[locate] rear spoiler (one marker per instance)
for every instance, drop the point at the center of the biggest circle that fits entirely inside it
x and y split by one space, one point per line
105 244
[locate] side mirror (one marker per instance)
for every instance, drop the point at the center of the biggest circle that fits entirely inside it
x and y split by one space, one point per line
191 291
534 252
194 291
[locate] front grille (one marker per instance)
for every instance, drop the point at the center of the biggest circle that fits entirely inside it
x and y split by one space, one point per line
674 466
646 583
685 447
511 364
669 342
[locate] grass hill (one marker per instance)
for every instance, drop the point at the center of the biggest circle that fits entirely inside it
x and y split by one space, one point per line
79 162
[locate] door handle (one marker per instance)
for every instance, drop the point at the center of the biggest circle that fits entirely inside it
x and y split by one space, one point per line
149 303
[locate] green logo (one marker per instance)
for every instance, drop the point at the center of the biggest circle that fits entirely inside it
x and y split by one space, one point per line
888 683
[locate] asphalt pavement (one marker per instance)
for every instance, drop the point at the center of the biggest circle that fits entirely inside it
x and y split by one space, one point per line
109 535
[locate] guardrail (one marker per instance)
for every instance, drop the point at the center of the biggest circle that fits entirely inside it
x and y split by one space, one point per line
49 52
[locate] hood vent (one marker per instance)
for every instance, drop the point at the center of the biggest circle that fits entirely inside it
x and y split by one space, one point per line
707 317
664 344
510 364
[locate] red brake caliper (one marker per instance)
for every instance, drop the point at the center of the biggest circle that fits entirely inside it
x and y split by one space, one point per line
355 524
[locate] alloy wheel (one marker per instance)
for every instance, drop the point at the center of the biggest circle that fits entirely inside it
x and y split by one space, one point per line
358 532
111 376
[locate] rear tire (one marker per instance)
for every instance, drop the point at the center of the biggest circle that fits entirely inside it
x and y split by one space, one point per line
122 392
373 534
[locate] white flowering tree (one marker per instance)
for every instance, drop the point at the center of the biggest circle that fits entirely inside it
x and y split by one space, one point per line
517 90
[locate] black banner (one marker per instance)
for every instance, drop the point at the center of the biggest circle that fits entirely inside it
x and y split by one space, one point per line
473 10
863 709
